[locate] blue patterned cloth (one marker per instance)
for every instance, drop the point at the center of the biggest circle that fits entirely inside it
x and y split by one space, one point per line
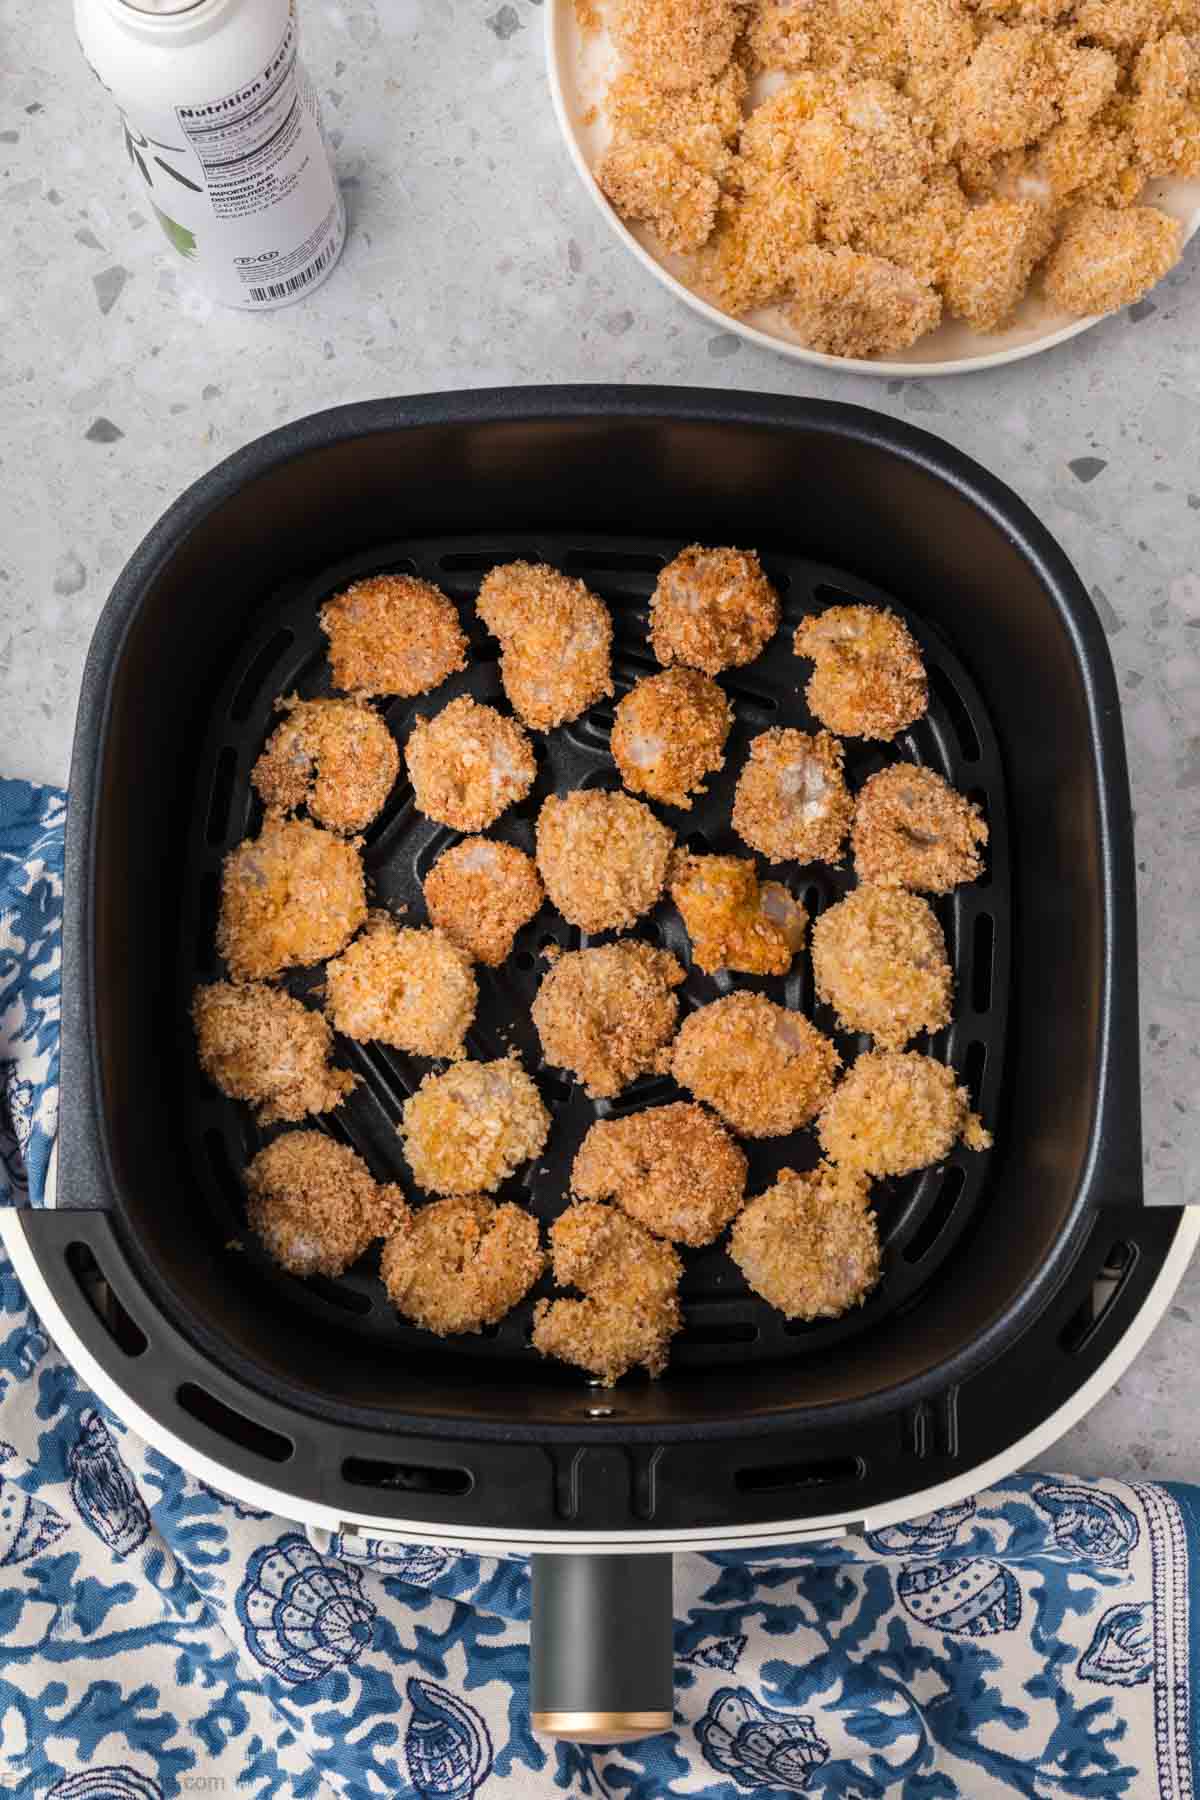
159 1639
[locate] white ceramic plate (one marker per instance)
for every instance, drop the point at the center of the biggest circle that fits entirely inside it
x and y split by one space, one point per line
581 65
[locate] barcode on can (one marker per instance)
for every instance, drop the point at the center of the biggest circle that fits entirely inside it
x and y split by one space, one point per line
279 290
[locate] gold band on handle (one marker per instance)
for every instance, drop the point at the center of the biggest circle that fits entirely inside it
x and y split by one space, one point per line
602 1727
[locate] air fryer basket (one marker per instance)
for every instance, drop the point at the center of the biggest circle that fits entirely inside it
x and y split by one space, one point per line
985 1320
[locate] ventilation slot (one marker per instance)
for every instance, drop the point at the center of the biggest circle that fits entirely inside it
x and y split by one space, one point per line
477 562
125 1333
523 960
208 898
406 1478
775 1478
697 843
613 562
254 679
221 797
339 1294
974 1064
763 703
556 1091
981 966
727 1331
938 1216
248 1434
956 712
1102 1296
224 1170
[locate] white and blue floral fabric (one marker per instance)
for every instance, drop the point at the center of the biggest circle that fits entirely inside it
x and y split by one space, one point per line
159 1639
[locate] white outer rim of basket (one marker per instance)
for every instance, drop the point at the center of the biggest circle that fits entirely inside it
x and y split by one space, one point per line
765 340
509 1543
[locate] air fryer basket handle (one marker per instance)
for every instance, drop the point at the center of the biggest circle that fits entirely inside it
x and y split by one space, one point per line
602 1647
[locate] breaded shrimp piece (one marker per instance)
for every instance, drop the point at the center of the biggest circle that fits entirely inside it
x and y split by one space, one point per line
315 1204
1108 258
392 634
466 1131
995 255
712 610
336 757
292 896
669 732
897 1111
865 154
461 1263
468 764
555 638
879 959
791 802
654 185
630 1281
603 857
1165 112
766 1070
733 922
922 241
405 986
257 1043
673 1168
606 1013
748 261
869 680
675 43
810 1244
847 304
1008 93
480 893
913 830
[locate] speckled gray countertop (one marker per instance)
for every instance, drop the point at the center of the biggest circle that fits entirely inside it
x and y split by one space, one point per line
475 259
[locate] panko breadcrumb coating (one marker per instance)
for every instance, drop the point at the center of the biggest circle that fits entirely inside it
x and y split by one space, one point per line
922 241
993 259
555 639
865 155
337 757
838 35
766 1070
1165 113
810 1244
257 1043
606 1013
675 43
712 610
292 896
897 1111
480 893
392 634
1108 258
913 830
461 1263
791 802
468 764
879 959
733 921
748 261
847 304
630 1281
315 1204
406 986
869 680
654 184
674 1168
1008 94
695 120
669 732
469 1129
603 857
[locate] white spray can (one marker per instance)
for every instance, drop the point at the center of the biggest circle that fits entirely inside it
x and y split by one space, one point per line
223 128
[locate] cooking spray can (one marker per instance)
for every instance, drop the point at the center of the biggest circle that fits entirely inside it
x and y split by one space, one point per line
223 129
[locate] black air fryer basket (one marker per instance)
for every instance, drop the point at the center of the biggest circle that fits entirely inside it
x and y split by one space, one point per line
985 1321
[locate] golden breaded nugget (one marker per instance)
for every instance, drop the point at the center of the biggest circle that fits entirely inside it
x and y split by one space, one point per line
1165 113
606 1013
555 638
766 1070
1008 93
791 802
673 1168
392 634
922 241
292 896
630 1281
869 680
913 830
461 1263
749 259
675 43
480 893
712 610
466 1131
897 1111
995 255
1108 258
405 986
603 857
656 186
847 304
865 154
468 764
879 959
336 757
810 1244
733 921
669 732
315 1204
257 1043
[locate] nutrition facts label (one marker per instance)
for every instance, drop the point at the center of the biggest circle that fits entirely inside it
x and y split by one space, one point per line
250 143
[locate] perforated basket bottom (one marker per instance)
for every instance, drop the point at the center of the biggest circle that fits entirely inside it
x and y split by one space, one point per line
921 1217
